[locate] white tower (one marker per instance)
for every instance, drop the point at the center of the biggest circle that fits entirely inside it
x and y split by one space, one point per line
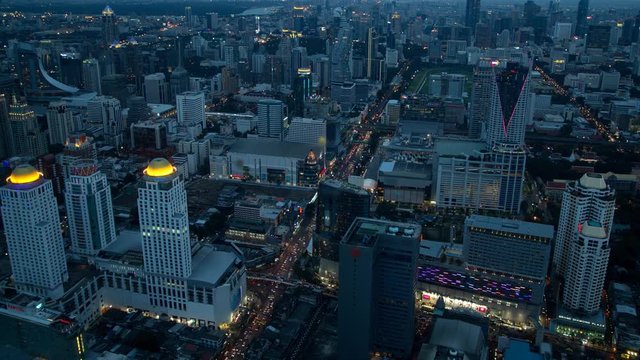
32 229
89 209
585 224
190 108
164 224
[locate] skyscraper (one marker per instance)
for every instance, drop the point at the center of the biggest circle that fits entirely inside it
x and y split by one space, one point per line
588 199
598 36
301 90
91 75
271 118
6 141
164 224
581 18
190 108
109 26
27 137
188 16
376 298
89 208
59 121
480 107
472 14
106 111
34 238
510 106
155 89
371 51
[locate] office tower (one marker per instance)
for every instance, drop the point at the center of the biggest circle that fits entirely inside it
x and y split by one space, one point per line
91 75
446 85
508 247
472 15
271 118
376 298
371 51
298 18
598 37
34 237
6 141
481 91
106 111
190 108
392 112
581 18
340 62
138 110
89 209
71 69
212 20
109 26
164 224
155 89
115 85
27 137
339 203
510 106
229 80
584 200
48 166
188 16
301 90
299 60
179 81
562 31
59 121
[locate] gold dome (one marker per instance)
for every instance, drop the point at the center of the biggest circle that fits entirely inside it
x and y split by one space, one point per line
24 174
159 167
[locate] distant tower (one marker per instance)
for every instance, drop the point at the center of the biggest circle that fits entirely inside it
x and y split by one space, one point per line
481 91
89 208
34 237
59 121
27 137
472 14
109 26
164 224
91 75
188 16
581 18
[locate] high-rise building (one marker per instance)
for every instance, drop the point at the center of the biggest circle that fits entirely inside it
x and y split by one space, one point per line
188 16
588 198
301 89
307 131
106 111
164 224
155 89
190 108
109 26
562 31
89 208
212 20
598 37
508 247
510 106
91 75
392 112
377 263
34 238
581 18
271 118
139 111
77 146
481 91
59 121
27 137
178 81
472 14
6 141
372 51
445 85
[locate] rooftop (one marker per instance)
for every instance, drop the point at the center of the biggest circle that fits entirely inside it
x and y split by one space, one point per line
593 229
344 186
512 226
593 181
365 231
268 147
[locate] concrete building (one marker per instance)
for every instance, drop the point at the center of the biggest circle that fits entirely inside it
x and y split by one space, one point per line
445 85
392 112
89 208
91 76
32 229
106 111
156 90
376 298
26 136
307 131
271 118
581 253
148 135
59 122
562 31
508 247
190 108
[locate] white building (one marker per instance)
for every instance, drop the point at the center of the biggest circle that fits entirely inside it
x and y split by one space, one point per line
89 208
190 108
392 112
271 118
391 58
562 31
91 75
156 90
32 229
59 121
200 148
218 167
307 131
587 201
